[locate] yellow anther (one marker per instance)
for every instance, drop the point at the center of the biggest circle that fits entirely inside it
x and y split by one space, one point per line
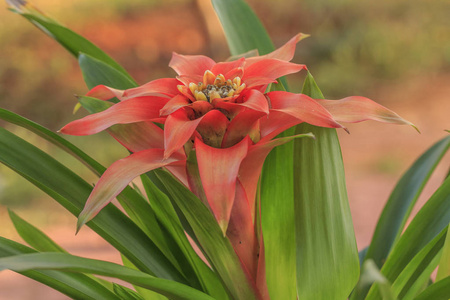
193 87
229 82
214 95
241 87
234 86
208 77
180 88
237 80
230 93
220 80
200 96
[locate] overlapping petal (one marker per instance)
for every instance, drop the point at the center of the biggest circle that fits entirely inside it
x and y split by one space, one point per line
218 172
190 64
271 68
357 109
129 111
120 174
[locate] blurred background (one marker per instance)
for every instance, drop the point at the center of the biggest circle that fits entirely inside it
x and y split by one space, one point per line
394 52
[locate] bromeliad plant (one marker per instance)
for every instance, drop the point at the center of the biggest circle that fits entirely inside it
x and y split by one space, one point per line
229 169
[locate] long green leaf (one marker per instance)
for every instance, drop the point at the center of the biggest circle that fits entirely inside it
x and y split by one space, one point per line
126 294
96 71
243 29
33 236
440 290
327 257
400 203
193 267
73 42
76 286
217 248
70 191
67 262
417 273
444 264
426 225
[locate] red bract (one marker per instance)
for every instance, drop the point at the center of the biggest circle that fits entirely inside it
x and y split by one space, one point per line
222 113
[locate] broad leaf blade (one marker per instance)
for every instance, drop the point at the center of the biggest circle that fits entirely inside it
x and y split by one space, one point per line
67 262
243 29
444 264
76 286
96 71
327 256
401 201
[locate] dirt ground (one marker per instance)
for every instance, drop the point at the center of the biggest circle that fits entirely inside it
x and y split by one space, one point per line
375 156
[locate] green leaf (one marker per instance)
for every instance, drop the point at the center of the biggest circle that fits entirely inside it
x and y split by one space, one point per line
371 274
243 29
402 200
71 263
125 293
76 286
216 247
426 225
327 257
417 273
52 138
440 290
70 191
193 267
97 72
33 236
73 42
444 264
145 293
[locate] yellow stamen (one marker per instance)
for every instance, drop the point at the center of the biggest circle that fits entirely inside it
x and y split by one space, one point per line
180 88
208 77
230 93
220 80
241 87
193 87
200 96
237 80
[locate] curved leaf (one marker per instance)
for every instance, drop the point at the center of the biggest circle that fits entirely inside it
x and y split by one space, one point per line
440 290
67 262
401 201
76 286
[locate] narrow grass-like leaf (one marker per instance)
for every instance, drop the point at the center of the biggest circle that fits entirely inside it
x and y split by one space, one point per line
216 247
327 257
73 42
33 236
125 293
193 267
145 293
400 203
71 263
74 285
440 290
70 191
417 273
426 225
444 264
52 138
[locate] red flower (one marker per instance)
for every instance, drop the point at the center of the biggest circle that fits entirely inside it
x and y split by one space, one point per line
220 111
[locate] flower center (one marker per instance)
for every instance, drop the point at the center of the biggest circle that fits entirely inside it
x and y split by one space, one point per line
214 87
